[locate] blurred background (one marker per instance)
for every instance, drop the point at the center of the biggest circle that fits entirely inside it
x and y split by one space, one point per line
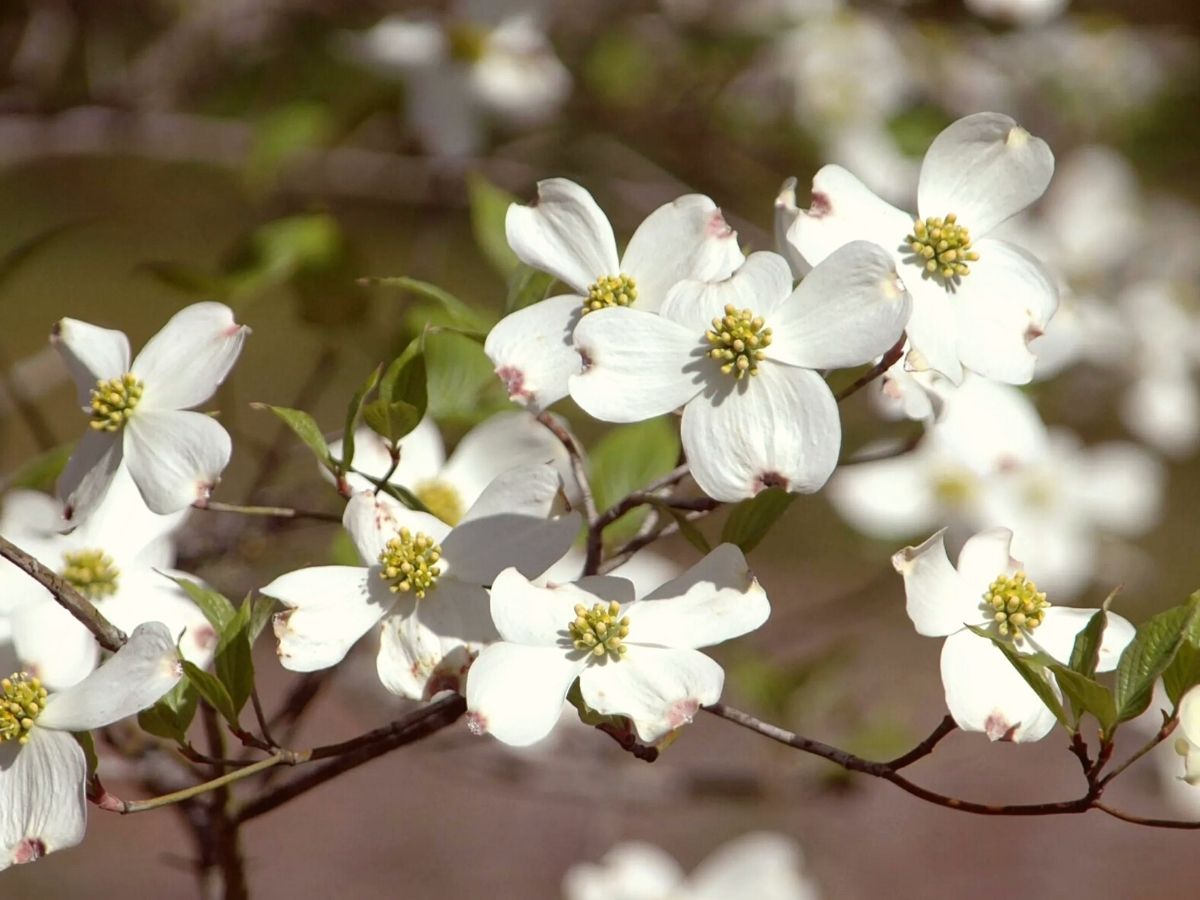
274 153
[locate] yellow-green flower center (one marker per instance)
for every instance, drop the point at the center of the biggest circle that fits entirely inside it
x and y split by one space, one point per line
442 499
466 40
942 246
600 630
737 340
410 563
114 400
22 699
610 290
91 572
1015 605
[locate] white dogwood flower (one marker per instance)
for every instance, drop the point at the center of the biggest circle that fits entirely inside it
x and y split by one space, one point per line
42 767
565 233
991 590
423 580
977 301
140 411
118 558
634 658
762 865
1187 744
448 487
740 357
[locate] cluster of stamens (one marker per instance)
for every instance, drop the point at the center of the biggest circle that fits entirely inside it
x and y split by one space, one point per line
22 698
738 339
114 400
410 563
610 290
91 572
943 245
442 499
600 630
1015 605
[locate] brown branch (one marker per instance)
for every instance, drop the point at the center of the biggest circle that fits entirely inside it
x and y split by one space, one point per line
108 635
353 753
926 747
888 360
1161 735
1147 821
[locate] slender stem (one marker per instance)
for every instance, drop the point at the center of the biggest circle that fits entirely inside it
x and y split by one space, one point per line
115 804
888 360
1161 735
926 747
261 717
275 512
108 635
1145 820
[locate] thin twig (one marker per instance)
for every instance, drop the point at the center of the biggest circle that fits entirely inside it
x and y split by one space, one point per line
888 360
115 804
926 747
274 512
108 635
1161 735
1149 822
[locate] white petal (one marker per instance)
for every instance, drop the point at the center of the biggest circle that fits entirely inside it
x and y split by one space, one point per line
185 363
533 352
503 442
52 644
779 428
985 557
765 865
408 652
147 596
966 431
890 498
932 328
985 693
488 540
1120 486
1189 715
516 692
330 608
422 455
564 233
532 615
762 284
1003 304
637 365
842 210
42 805
716 599
848 310
685 239
1062 624
374 519
786 212
128 530
984 168
29 512
89 473
91 353
632 870
660 689
176 458
135 677
936 599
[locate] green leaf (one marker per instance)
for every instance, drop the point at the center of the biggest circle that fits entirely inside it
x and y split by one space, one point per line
391 421
215 606
353 412
304 427
260 615
1184 671
403 396
41 472
233 662
489 209
1149 654
1085 654
526 286
751 519
627 459
459 373
461 313
690 532
1032 668
170 717
212 690
1087 695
